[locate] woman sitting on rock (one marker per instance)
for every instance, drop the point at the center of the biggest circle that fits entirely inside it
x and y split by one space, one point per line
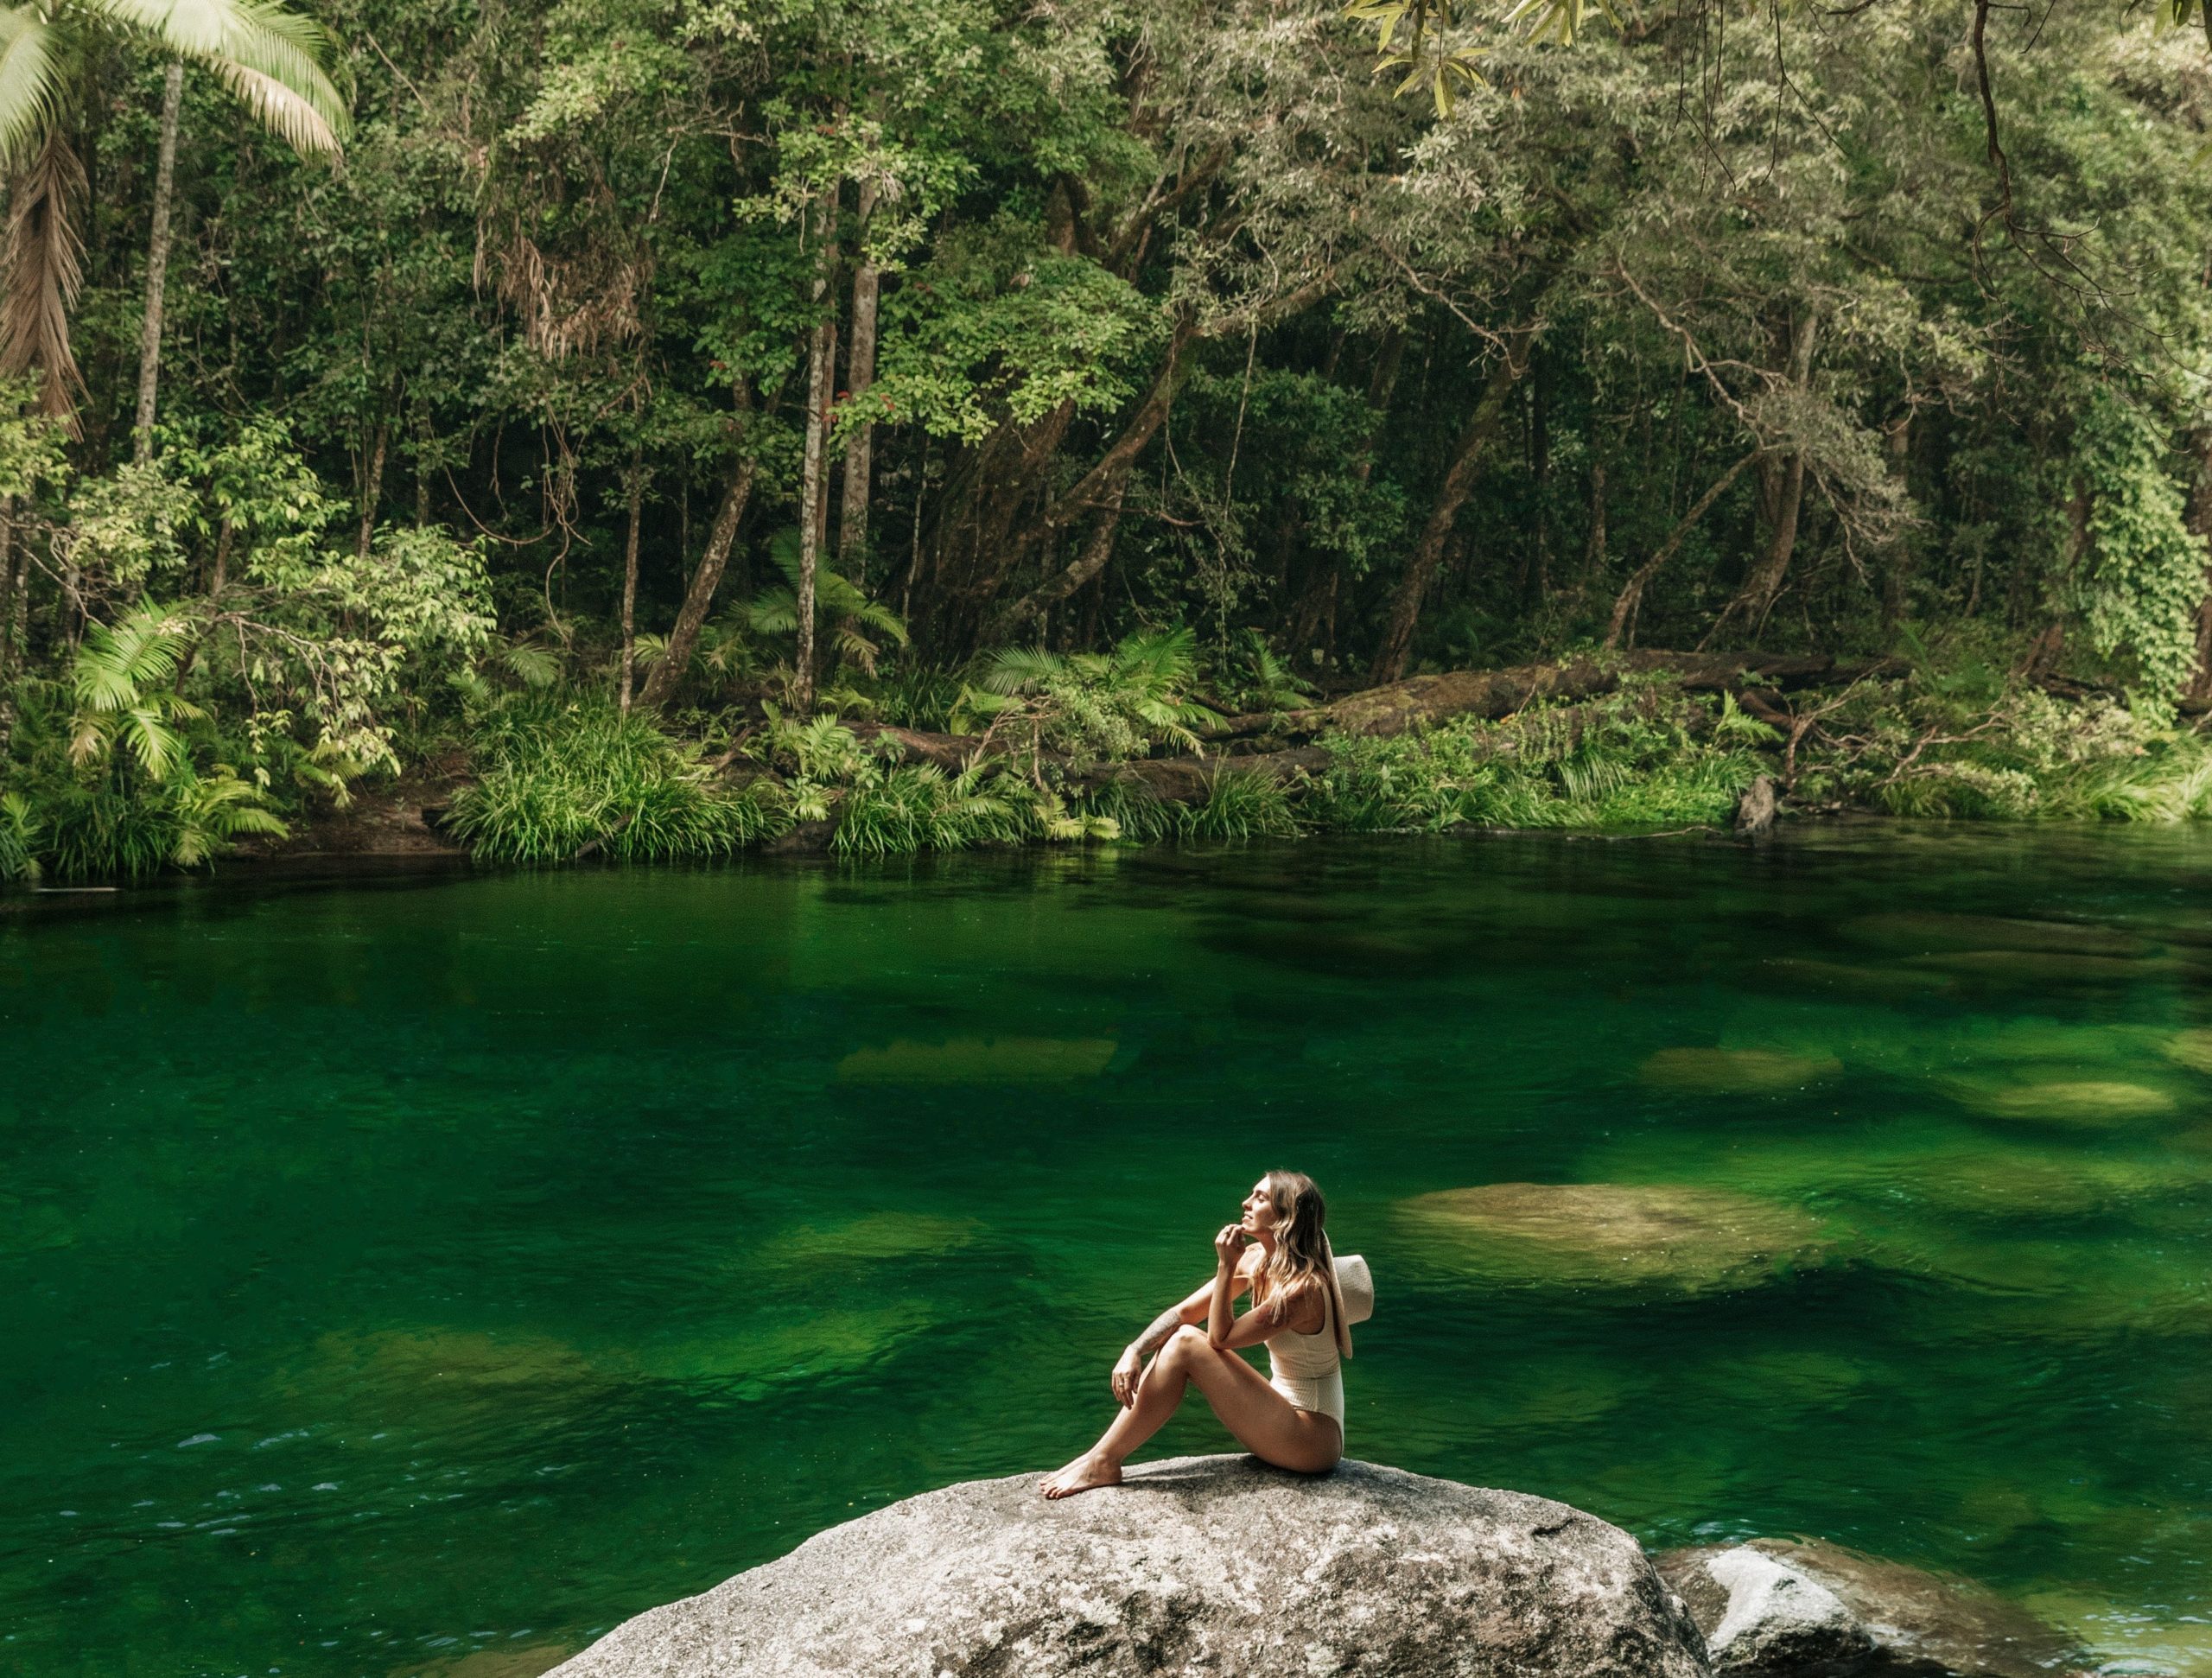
1277 1254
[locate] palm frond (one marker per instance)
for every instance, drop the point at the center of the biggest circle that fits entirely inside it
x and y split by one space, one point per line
772 612
290 115
881 618
116 664
1018 669
30 83
1164 655
271 58
43 274
152 741
857 648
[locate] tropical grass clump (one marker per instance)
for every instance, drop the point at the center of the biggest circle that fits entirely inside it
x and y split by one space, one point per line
2009 754
1122 807
573 777
1632 762
898 811
19 830
1242 803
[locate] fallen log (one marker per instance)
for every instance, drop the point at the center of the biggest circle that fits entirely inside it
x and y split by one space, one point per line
1759 679
950 753
1178 779
1189 780
1491 694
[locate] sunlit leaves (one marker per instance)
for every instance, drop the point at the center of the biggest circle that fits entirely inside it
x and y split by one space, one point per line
1424 42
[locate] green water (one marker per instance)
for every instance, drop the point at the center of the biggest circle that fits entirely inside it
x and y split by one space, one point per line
423 1276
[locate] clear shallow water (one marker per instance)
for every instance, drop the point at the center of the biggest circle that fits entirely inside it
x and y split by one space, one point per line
423 1277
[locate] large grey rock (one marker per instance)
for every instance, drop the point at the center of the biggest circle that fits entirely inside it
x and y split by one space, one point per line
1213 1565
1794 1608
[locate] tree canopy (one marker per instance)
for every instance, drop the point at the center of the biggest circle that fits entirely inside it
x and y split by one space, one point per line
716 354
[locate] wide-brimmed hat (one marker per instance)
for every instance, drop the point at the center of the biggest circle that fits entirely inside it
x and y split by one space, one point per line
1356 1286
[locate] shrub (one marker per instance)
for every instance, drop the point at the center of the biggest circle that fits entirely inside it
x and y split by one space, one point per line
1631 761
1135 812
562 778
19 831
1242 803
1092 706
914 807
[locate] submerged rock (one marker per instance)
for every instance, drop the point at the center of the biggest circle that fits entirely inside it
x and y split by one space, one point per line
1792 1608
2019 968
980 1060
1662 1235
875 1236
1929 934
1735 1071
2087 1102
1200 1564
1886 982
2191 1048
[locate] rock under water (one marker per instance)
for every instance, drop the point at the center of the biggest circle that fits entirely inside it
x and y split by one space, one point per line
1214 1565
1679 1237
1794 1608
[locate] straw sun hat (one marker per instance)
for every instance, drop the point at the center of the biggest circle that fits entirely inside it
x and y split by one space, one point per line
1356 1286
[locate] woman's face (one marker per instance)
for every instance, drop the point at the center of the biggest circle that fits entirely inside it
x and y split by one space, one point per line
1259 1211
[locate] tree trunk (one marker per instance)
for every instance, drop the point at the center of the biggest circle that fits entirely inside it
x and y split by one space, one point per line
1593 550
860 374
699 598
18 630
1097 551
1786 496
1539 579
1451 495
2199 519
226 533
425 438
372 488
15 582
1896 576
7 587
1632 595
811 483
157 266
1099 485
637 489
982 494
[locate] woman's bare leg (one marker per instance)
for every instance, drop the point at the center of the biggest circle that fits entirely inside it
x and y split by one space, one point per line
1265 1422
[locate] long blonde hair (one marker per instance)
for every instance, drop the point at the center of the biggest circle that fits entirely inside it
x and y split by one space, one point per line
1301 1251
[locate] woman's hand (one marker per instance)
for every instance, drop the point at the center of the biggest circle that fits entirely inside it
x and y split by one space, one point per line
1127 1373
1228 1245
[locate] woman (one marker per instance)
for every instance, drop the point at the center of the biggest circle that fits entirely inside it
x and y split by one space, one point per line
1278 1254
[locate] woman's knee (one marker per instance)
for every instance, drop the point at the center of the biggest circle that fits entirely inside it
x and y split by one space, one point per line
1186 1344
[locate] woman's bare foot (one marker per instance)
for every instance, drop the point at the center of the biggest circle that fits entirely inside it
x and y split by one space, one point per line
1085 1473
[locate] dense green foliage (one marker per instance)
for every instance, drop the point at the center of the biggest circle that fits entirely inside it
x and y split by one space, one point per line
562 778
1079 380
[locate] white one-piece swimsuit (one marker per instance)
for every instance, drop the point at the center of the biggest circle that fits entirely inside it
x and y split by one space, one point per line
1306 1368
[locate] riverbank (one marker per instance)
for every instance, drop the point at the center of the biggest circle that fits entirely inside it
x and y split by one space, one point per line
1645 742
1642 743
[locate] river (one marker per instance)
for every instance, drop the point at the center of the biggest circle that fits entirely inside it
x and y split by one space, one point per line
422 1275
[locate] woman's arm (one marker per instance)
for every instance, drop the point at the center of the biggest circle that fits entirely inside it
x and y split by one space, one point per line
1228 1247
1191 1311
1255 1326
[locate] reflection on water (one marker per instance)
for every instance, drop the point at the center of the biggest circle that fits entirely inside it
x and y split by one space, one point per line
421 1280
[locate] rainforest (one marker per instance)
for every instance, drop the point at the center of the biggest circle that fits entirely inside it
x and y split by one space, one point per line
713 712
643 431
